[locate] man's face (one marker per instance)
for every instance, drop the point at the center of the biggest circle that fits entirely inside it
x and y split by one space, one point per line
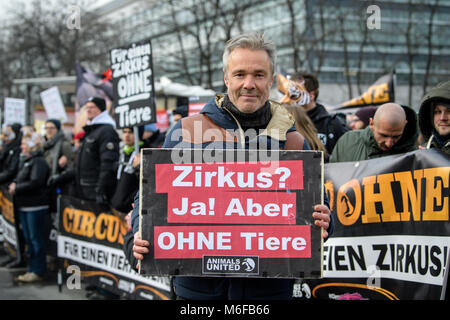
128 137
441 119
50 130
248 79
386 134
92 110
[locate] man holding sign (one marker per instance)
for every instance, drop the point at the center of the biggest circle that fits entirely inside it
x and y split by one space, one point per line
249 64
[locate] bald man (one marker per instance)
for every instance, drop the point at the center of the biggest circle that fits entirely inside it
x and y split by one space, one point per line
392 130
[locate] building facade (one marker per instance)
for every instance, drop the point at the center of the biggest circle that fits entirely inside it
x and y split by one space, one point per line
347 44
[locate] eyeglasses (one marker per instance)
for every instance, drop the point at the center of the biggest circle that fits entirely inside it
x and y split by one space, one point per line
50 128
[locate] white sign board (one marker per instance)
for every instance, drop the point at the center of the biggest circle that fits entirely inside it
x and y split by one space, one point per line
54 107
14 111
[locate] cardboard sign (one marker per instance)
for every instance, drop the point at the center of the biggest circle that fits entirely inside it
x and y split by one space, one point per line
133 85
248 217
54 107
14 111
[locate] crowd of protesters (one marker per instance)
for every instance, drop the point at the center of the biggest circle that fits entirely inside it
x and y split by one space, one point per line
97 165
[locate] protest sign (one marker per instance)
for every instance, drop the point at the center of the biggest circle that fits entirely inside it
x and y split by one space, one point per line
54 107
392 232
243 214
10 223
196 104
93 240
14 111
133 85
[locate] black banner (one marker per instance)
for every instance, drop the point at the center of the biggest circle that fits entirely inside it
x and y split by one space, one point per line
10 224
392 234
92 239
231 212
133 85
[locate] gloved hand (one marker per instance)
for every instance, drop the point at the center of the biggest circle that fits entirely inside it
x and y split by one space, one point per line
101 199
53 180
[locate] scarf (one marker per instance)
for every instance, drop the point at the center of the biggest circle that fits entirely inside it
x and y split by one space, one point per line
256 120
53 147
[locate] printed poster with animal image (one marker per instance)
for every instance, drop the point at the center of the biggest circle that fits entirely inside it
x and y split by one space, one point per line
235 213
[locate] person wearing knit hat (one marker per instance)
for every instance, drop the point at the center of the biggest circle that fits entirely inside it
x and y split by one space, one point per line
99 102
362 117
96 160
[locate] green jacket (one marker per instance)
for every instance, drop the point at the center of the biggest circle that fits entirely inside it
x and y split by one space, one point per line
360 145
439 93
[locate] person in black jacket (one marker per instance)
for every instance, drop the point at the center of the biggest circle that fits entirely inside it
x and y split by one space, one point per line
97 156
9 164
31 200
128 171
329 127
9 155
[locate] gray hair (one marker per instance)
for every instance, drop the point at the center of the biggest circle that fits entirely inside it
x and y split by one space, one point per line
253 41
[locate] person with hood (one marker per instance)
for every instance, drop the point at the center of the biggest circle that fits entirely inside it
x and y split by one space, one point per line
29 189
9 155
434 117
392 130
248 66
330 127
98 154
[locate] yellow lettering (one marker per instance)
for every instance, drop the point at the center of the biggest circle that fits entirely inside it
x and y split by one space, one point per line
346 212
67 219
329 189
385 197
113 228
436 179
100 227
380 93
409 193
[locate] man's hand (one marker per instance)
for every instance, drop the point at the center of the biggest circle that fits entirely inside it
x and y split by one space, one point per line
139 247
321 216
62 161
12 188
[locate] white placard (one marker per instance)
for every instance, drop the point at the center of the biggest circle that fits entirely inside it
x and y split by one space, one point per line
14 111
51 99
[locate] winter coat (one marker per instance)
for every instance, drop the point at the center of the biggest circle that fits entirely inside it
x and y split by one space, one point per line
54 149
31 181
96 161
9 160
127 182
214 117
426 123
357 145
329 127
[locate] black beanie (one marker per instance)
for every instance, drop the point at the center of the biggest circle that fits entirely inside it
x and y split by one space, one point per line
16 128
99 102
56 122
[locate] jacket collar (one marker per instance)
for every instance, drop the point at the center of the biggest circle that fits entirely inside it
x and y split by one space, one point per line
280 123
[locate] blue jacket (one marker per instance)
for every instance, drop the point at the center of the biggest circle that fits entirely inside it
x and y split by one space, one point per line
189 132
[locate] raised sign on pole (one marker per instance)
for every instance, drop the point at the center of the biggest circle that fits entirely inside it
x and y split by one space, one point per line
133 85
